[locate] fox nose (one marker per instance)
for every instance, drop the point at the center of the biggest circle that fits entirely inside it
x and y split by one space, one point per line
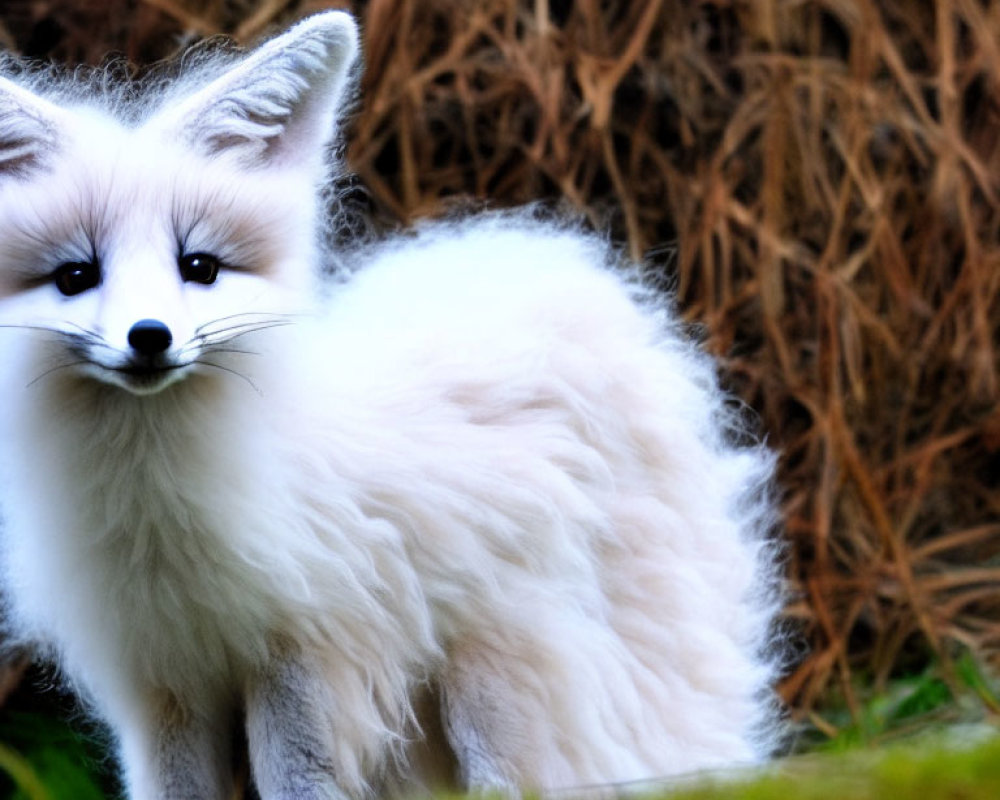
149 337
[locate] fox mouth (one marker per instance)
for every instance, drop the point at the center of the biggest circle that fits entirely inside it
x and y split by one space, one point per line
143 370
146 377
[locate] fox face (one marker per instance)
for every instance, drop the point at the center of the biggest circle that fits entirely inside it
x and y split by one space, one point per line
139 250
142 261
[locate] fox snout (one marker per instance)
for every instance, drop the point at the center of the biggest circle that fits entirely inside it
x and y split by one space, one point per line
146 365
156 355
149 337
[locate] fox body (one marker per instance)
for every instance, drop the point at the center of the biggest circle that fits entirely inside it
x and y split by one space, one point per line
469 517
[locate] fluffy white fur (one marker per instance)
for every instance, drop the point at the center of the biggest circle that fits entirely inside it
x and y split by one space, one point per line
472 516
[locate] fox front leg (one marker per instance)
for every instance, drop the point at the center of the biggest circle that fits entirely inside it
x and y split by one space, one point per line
171 752
288 707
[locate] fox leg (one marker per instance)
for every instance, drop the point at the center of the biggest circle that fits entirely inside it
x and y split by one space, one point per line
497 719
170 752
470 713
288 712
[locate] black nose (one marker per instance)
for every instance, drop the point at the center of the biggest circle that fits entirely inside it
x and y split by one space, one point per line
149 337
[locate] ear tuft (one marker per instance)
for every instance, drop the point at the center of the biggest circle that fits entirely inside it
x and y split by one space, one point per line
279 104
27 129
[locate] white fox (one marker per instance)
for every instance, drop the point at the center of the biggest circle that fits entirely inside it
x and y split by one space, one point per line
471 516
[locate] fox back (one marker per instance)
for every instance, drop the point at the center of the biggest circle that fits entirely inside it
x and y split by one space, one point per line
472 517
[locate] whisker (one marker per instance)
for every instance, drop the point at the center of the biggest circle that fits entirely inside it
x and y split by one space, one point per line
249 323
235 331
238 374
84 335
195 348
56 368
236 350
261 317
26 327
228 317
90 334
92 341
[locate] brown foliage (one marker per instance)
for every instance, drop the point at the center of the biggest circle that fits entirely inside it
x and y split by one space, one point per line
819 181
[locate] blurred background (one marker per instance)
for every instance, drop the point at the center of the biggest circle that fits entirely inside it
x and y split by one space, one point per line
818 181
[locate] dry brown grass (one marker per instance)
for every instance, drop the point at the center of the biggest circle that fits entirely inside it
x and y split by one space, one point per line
821 183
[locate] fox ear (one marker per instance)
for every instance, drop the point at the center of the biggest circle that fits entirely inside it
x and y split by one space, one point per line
278 105
28 128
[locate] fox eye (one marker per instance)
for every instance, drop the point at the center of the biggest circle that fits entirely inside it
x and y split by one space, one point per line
74 277
199 267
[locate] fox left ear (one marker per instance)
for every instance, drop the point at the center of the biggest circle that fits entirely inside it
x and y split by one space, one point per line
30 129
279 104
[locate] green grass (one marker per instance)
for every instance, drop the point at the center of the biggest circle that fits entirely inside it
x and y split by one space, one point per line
929 736
45 757
961 696
924 737
900 772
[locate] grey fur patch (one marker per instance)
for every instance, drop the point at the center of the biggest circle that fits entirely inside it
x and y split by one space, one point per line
290 750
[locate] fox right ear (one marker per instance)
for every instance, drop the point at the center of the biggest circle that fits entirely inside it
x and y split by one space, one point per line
28 125
278 105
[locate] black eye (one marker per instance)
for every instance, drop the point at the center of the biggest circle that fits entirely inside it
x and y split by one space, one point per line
75 277
199 267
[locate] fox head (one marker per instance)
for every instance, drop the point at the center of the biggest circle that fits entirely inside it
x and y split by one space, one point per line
137 247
